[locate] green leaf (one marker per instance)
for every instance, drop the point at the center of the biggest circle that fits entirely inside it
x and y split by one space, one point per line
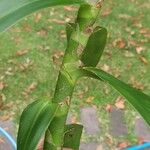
34 121
70 28
94 48
139 100
72 136
49 146
13 10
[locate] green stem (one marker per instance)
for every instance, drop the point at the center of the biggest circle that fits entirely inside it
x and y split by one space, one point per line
68 76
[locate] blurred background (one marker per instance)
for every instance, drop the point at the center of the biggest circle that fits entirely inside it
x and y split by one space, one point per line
31 53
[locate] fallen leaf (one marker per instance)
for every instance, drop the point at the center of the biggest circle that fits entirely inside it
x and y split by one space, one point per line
106 89
106 12
27 27
29 89
61 22
132 43
80 94
136 84
5 117
109 140
128 54
90 99
109 108
123 145
9 71
141 140
74 120
124 16
120 103
139 49
116 72
2 85
143 60
32 87
2 141
28 63
105 67
1 101
119 43
38 17
21 52
42 32
69 8
144 30
56 56
62 33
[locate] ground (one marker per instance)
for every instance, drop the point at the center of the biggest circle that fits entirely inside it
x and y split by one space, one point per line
31 53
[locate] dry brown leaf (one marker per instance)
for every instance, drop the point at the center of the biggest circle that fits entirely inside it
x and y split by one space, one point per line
21 52
38 17
136 84
5 117
139 49
116 72
144 30
106 89
119 43
62 34
105 67
74 120
69 8
90 99
29 89
28 63
42 32
2 85
9 71
109 108
57 21
2 141
124 16
109 140
32 87
141 140
128 54
106 12
143 60
1 101
120 103
27 27
132 43
56 56
123 145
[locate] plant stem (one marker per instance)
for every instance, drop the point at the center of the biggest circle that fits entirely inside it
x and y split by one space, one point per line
68 76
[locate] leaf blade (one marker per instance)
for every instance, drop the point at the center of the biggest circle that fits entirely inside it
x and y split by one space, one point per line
14 10
139 100
95 47
34 121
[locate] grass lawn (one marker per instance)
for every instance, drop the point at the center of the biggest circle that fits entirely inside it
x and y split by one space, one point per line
31 54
